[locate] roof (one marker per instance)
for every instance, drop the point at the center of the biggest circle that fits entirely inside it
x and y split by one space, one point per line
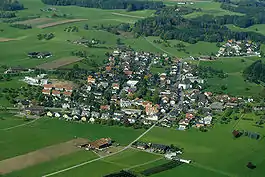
45 91
47 85
67 93
56 92
100 142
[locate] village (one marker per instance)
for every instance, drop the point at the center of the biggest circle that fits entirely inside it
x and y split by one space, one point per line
238 48
125 92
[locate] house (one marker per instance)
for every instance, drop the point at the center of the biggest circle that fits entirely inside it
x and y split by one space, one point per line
100 144
57 115
207 120
67 94
47 86
132 111
92 120
59 87
125 103
34 110
152 118
105 116
116 86
105 107
46 92
68 88
90 79
83 119
141 145
132 83
160 148
236 133
108 68
186 84
49 114
150 109
65 106
189 116
56 93
128 73
217 106
95 114
163 76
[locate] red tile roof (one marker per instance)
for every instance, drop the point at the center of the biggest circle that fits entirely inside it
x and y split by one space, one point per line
47 85
67 93
46 91
55 92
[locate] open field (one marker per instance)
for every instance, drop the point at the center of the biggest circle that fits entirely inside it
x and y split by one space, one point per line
40 156
231 154
236 85
59 23
59 63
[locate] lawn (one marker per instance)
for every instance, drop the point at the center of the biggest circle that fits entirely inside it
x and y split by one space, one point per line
50 131
236 85
215 151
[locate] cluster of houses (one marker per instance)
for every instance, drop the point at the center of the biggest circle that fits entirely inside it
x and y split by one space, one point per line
40 55
37 81
57 90
99 144
238 48
125 90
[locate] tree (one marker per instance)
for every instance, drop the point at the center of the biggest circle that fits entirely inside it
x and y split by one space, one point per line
86 27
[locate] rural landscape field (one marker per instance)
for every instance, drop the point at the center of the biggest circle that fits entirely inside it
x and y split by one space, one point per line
132 88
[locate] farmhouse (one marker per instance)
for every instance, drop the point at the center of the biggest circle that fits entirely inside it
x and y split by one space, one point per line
100 143
34 110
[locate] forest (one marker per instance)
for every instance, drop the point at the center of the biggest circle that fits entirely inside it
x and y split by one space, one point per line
255 72
169 23
130 5
10 5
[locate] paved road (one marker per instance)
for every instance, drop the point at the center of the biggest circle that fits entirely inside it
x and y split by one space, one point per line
100 158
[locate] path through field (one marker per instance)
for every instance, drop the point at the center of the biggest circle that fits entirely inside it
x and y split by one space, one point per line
158 47
20 125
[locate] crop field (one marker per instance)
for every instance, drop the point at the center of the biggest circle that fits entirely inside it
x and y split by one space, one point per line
59 23
235 81
36 21
48 132
259 28
59 63
40 156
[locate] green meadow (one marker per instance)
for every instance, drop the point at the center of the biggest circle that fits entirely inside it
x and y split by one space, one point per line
236 85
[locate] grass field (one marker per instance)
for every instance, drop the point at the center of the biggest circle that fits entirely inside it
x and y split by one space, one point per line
235 82
214 151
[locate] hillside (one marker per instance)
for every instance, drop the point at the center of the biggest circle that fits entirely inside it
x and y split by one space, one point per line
255 72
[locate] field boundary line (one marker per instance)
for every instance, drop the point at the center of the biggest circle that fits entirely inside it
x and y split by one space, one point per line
126 15
20 125
148 162
100 158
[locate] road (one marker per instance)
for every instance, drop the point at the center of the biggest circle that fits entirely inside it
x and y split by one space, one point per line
100 158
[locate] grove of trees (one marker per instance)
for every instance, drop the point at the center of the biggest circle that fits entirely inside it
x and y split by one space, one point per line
130 5
255 72
10 5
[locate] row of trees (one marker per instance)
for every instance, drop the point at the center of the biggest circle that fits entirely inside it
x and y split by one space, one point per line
21 26
47 36
130 5
10 5
4 14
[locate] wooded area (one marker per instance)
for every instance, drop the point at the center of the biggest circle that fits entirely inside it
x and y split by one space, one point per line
130 5
255 72
10 5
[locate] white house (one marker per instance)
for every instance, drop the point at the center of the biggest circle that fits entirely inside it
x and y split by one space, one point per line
207 120
153 118
132 83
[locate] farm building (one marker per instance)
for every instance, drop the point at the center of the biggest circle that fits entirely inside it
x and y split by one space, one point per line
35 110
100 143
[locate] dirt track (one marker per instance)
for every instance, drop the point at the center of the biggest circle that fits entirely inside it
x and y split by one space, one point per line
6 39
59 23
35 21
39 156
59 63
